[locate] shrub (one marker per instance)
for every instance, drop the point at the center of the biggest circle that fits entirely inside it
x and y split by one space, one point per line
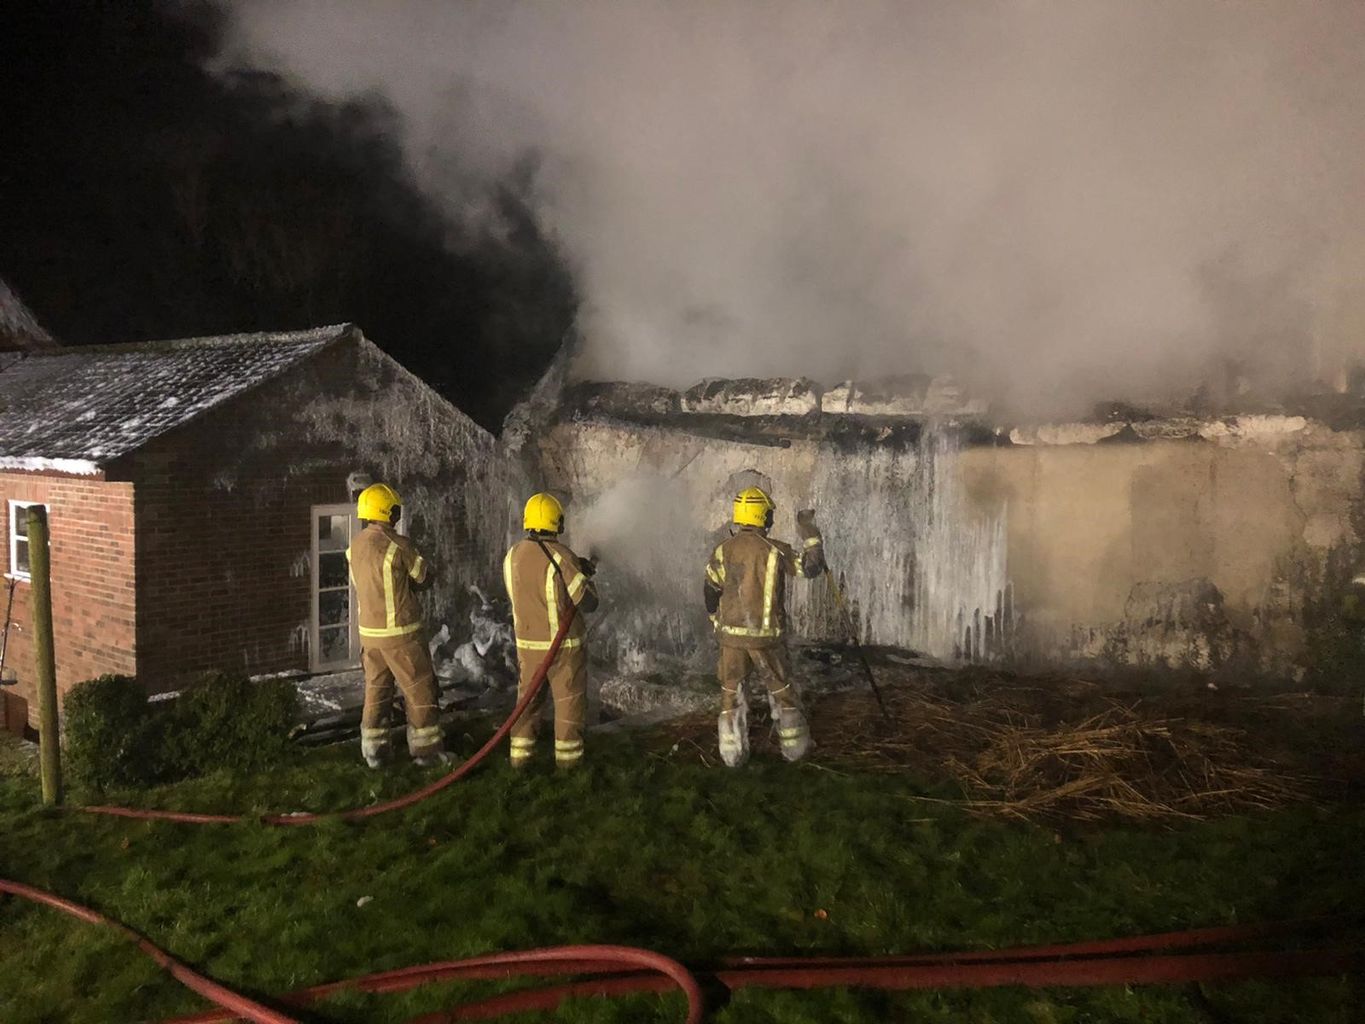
222 720
111 734
114 737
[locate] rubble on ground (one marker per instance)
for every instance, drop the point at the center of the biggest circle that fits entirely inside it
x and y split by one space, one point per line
479 673
1044 749
488 659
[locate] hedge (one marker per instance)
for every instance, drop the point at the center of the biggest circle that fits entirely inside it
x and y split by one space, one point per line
220 721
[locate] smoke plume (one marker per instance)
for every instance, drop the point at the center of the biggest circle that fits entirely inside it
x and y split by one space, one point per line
1057 201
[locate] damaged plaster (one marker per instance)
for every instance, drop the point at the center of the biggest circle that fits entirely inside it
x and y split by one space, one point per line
1170 542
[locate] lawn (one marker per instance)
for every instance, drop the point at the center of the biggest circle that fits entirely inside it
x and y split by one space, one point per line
642 847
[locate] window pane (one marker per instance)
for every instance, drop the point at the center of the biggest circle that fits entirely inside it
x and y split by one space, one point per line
334 607
334 643
332 570
21 555
333 533
20 520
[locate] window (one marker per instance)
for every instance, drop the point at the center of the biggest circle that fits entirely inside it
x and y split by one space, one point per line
18 538
336 636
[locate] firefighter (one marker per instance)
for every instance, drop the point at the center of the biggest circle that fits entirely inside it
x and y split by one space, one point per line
386 570
543 577
745 593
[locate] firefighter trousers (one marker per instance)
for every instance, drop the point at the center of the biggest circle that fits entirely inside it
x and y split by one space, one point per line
409 664
568 682
737 664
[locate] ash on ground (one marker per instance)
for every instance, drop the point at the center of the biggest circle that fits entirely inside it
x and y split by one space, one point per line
676 688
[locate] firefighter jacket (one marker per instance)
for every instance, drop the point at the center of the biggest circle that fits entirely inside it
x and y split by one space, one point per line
540 591
384 566
745 585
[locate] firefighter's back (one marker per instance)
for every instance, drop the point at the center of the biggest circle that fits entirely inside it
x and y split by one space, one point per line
382 564
751 610
539 594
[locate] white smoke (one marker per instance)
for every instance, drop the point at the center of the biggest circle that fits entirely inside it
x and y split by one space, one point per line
1056 200
637 518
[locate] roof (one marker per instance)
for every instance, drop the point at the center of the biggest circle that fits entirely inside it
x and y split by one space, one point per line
73 410
19 328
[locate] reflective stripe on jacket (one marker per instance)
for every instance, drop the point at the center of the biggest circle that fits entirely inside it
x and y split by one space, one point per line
383 565
749 572
540 596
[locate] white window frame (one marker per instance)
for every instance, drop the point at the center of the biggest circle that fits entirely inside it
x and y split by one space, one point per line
315 663
15 506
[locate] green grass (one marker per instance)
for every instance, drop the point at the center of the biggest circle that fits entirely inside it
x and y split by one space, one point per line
646 850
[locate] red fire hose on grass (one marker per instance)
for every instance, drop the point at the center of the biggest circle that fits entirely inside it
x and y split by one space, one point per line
552 960
1150 959
1147 959
240 1006
625 970
777 972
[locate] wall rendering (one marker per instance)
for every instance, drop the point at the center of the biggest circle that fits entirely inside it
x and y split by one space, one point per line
1205 545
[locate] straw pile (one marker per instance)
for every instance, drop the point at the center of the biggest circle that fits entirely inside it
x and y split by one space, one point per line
1118 765
1058 752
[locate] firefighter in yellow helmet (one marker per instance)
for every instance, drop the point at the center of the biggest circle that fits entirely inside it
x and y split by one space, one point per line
387 570
745 592
543 577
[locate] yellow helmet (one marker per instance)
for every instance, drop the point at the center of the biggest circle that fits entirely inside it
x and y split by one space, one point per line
544 514
752 507
377 502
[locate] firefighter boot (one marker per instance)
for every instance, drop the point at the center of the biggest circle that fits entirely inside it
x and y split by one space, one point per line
374 745
793 733
732 728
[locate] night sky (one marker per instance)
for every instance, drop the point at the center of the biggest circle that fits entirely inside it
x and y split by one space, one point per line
143 198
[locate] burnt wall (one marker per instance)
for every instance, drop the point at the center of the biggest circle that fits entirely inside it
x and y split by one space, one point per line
1217 553
1210 546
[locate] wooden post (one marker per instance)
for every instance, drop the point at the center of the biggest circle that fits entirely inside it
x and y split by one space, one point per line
40 617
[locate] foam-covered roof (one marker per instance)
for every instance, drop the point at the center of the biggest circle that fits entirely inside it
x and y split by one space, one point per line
77 409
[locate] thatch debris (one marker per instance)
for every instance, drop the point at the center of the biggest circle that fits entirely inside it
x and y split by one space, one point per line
1054 750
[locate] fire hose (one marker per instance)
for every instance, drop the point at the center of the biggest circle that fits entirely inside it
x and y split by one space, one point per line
1139 960
239 1005
624 970
1148 959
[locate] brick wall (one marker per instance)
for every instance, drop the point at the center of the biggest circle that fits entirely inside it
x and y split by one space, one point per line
223 575
219 513
224 510
93 592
